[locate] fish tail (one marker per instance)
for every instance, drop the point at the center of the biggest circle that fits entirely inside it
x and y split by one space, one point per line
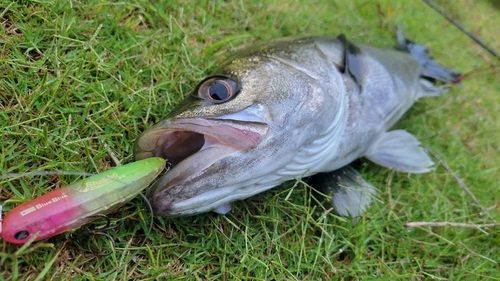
432 72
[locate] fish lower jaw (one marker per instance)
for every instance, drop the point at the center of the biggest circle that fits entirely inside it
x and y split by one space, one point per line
205 202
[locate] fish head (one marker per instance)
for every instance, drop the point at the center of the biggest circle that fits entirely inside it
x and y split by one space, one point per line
234 135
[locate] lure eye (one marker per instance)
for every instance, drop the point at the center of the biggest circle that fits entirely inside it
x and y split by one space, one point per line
21 235
217 89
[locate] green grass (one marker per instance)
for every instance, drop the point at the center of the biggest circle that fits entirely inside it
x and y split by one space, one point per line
75 77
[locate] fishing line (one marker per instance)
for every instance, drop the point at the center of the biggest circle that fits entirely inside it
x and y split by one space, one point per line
150 228
44 173
461 27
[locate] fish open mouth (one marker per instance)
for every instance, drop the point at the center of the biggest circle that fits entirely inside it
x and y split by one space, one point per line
192 145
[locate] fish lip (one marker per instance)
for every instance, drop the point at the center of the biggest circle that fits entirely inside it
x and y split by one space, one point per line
221 137
241 135
165 205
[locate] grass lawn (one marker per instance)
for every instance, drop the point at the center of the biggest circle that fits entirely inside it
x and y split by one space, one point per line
79 76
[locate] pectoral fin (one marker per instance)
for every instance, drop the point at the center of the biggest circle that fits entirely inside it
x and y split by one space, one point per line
350 193
401 151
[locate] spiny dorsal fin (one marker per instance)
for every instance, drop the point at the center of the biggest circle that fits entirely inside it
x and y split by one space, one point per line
352 61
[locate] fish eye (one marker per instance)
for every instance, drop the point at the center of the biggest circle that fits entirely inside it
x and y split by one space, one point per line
21 235
217 89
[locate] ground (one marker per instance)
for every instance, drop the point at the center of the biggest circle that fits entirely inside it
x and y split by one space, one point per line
81 79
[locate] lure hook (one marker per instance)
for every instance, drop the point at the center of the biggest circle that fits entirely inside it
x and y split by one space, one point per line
99 231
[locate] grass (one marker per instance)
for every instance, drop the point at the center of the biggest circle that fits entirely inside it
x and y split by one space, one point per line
79 75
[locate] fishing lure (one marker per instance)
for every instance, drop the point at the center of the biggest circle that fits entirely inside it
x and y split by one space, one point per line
74 205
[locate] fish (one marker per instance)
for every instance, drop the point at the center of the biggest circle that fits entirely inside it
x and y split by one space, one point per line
293 108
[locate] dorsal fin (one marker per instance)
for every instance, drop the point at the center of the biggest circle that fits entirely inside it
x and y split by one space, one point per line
352 61
430 69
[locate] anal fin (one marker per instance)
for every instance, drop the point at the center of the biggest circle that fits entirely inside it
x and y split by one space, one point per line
401 151
350 194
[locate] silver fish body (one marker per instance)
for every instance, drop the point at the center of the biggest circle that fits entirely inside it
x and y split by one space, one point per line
287 109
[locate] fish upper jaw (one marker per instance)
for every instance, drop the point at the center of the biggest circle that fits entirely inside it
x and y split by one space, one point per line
177 139
195 146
